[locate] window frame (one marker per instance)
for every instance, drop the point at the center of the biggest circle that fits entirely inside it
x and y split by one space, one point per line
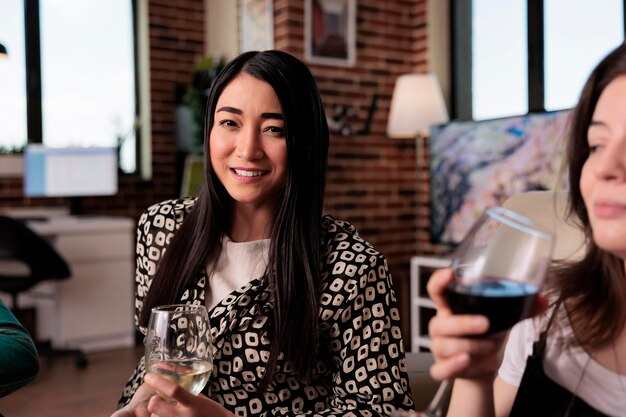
34 103
461 42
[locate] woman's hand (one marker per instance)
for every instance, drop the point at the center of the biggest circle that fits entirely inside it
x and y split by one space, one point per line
456 354
185 404
147 403
458 349
137 407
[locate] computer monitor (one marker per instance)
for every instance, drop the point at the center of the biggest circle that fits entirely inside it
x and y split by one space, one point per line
69 172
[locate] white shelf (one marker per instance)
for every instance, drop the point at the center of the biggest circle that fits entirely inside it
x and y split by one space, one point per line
420 300
425 302
422 341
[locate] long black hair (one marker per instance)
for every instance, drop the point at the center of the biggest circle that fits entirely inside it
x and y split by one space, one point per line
294 256
594 287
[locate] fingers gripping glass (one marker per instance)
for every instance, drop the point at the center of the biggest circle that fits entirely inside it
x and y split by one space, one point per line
178 345
499 269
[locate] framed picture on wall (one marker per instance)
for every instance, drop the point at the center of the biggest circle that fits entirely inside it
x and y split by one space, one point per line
256 25
330 32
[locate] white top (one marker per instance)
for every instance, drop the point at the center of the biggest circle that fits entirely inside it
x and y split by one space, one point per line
238 264
570 367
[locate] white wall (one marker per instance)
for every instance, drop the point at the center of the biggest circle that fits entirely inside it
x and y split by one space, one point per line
222 28
439 46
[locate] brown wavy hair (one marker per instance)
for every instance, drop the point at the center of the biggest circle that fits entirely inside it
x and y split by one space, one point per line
593 288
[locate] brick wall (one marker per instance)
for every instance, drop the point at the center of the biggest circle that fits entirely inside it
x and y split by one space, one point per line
372 180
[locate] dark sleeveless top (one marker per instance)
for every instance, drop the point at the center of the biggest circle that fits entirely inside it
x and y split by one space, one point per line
540 396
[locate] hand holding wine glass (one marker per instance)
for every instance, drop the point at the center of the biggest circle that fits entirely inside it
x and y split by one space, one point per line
178 345
496 275
499 268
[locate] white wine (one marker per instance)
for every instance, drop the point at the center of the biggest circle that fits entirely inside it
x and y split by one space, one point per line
191 374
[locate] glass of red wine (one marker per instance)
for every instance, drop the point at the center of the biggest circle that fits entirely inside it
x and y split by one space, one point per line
499 269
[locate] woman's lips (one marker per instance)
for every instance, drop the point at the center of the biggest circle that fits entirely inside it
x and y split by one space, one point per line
248 175
608 209
249 172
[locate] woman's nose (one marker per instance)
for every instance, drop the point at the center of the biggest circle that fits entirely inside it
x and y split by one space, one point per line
612 163
249 145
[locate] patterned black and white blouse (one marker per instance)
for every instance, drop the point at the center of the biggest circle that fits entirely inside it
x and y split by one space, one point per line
361 370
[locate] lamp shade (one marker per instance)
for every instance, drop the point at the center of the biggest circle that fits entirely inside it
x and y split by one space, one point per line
416 105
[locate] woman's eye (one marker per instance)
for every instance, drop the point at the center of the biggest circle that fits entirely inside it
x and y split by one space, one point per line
279 131
227 123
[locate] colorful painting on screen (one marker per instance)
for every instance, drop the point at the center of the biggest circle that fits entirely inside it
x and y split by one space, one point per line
474 165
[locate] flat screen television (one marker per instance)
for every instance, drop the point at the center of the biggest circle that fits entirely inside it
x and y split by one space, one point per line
69 172
476 164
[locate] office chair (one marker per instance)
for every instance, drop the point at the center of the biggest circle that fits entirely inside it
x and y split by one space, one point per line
19 243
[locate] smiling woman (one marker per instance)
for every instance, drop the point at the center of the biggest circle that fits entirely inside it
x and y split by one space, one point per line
302 309
249 152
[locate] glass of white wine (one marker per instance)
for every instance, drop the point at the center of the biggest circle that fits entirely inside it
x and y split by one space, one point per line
178 345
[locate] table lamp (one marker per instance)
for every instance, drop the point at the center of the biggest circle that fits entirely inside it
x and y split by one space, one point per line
416 104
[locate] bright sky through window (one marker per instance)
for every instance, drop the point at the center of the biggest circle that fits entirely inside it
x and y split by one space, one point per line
577 34
87 75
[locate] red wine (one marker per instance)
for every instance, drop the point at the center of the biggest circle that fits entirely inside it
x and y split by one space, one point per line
504 302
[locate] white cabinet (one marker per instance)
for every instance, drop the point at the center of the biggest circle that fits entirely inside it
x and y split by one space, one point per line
422 308
93 309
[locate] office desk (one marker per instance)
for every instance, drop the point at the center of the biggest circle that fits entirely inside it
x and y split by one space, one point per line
93 309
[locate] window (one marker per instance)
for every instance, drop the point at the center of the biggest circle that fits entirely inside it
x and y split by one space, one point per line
12 77
517 56
499 70
82 87
593 27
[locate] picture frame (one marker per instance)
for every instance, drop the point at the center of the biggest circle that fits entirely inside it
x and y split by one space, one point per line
330 32
256 25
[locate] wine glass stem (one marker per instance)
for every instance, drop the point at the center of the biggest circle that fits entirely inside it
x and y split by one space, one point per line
443 392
